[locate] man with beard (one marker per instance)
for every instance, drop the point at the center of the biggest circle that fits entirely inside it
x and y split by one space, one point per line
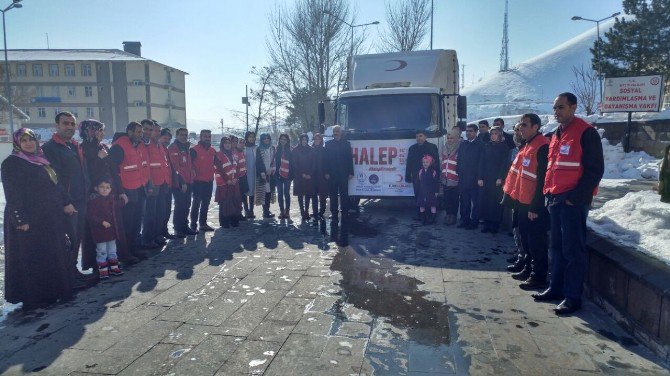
415 154
128 155
66 158
180 156
203 156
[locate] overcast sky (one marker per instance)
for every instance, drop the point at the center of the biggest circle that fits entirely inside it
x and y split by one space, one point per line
218 41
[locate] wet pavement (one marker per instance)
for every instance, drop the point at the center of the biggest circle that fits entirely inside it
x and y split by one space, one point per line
379 294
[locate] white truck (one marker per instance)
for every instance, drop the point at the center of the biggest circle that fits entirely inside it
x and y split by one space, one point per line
388 98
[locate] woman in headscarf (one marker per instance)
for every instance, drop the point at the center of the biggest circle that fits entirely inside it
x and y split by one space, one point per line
36 258
449 177
304 166
320 182
493 166
227 186
250 150
284 168
265 172
664 177
96 154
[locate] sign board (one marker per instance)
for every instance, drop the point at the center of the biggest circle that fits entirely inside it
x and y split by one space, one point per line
632 94
379 168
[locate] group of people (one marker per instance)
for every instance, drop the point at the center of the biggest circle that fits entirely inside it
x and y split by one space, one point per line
547 180
112 205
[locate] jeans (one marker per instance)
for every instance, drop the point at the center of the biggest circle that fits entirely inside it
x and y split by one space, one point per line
105 251
182 205
283 193
202 196
469 204
568 249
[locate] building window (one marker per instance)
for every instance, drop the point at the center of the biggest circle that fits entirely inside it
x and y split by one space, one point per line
71 91
39 91
86 69
56 111
74 112
139 103
41 112
138 82
90 113
37 70
53 70
20 70
55 91
69 70
88 91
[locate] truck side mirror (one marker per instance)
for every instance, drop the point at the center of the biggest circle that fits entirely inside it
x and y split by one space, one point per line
462 107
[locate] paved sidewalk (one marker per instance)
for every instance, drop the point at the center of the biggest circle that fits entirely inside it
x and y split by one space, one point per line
382 296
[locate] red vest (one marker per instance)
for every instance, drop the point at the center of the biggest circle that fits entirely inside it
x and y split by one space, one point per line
181 161
283 167
227 171
134 169
527 180
159 167
449 167
204 163
241 161
565 159
511 187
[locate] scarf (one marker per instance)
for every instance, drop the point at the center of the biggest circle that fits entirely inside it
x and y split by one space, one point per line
263 145
246 139
35 158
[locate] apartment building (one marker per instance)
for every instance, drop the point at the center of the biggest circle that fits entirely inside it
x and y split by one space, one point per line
109 85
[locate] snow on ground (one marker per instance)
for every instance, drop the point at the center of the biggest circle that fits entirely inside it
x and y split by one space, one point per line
638 220
633 165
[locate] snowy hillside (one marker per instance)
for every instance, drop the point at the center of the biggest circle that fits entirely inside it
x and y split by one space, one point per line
532 85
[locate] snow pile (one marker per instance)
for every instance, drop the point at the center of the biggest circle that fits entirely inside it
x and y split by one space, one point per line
638 220
633 165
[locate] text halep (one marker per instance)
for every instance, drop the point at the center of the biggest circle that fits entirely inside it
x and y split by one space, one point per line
375 156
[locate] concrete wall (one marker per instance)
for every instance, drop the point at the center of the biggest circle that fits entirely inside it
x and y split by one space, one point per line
649 136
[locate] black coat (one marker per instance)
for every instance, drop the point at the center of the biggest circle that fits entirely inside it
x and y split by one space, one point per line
469 154
493 165
414 156
68 163
664 177
97 167
338 160
36 261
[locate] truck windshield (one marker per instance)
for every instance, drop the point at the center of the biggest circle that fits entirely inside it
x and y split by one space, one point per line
390 112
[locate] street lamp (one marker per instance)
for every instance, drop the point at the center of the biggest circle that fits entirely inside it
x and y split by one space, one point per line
600 71
14 4
351 27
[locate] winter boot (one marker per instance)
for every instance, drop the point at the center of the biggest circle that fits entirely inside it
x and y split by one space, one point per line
103 270
431 218
114 267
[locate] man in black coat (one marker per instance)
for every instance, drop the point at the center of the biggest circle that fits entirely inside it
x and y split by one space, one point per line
67 160
339 169
469 154
414 156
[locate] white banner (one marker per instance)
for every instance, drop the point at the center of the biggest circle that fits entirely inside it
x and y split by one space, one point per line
379 168
632 94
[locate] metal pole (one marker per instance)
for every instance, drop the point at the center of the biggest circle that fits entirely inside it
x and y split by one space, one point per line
351 49
431 24
627 147
246 89
9 89
600 69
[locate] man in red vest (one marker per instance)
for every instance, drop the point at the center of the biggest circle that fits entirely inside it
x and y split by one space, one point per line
128 155
575 167
180 155
160 178
524 186
202 156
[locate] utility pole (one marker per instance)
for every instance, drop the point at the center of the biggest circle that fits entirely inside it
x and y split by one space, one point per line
221 121
245 101
462 76
432 8
504 53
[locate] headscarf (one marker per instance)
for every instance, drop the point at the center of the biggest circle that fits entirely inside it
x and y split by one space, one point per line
227 153
262 144
451 148
246 138
303 148
35 158
86 126
501 136
320 136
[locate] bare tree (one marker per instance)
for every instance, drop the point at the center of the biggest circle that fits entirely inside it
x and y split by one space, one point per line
308 45
407 22
258 97
585 87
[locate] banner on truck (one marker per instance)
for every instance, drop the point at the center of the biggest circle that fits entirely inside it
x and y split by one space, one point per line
632 94
379 168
